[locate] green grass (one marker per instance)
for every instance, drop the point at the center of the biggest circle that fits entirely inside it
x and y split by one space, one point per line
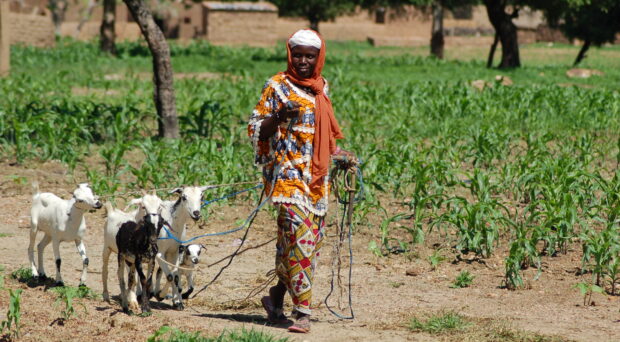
451 326
67 296
440 323
168 334
23 274
531 167
464 279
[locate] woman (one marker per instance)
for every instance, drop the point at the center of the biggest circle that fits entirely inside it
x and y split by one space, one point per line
294 132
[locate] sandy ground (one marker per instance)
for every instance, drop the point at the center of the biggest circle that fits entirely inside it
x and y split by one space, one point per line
387 292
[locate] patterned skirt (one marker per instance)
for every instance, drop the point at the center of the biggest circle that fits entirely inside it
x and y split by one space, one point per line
300 236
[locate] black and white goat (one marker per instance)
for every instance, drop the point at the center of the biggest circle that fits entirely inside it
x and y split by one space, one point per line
147 205
189 257
60 220
137 244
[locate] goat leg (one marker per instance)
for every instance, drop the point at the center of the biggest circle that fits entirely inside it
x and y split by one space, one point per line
79 244
121 282
33 237
40 249
189 276
133 302
56 246
144 298
104 273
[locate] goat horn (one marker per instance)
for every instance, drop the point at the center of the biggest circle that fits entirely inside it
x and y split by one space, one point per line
143 192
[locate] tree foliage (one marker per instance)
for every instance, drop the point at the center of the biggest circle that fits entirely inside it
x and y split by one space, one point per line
315 11
595 22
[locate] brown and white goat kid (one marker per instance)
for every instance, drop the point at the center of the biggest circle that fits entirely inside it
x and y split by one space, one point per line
147 205
60 220
137 244
178 213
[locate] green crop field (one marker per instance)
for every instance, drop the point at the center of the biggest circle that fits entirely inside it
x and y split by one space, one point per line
531 167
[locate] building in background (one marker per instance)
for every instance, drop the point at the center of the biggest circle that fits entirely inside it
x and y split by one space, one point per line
257 23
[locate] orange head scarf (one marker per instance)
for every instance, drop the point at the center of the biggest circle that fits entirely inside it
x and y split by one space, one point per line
326 129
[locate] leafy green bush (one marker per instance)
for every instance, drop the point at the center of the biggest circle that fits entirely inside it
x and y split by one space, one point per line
464 279
23 274
67 296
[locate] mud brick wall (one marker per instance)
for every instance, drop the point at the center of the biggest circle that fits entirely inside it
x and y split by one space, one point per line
241 27
31 29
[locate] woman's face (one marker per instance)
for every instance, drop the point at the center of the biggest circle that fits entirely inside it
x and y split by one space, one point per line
304 59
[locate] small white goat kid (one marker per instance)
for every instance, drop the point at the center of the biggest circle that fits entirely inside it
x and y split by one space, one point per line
189 257
60 220
177 214
147 205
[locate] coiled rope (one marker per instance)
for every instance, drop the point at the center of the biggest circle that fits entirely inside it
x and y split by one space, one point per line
346 171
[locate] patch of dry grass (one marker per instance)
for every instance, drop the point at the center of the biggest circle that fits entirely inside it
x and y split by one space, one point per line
451 326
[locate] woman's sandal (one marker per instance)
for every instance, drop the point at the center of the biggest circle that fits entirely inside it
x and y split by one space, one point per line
272 316
302 325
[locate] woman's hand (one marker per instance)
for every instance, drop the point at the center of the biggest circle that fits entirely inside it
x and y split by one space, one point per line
343 155
269 126
288 111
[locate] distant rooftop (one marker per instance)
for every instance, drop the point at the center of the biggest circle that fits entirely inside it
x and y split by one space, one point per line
241 6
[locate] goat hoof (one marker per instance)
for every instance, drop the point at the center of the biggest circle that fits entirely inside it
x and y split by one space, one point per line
185 295
59 284
159 297
41 278
178 306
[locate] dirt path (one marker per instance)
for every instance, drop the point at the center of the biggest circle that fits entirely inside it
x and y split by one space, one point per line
385 297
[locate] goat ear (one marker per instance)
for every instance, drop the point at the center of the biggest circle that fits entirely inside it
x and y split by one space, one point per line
206 187
176 191
135 201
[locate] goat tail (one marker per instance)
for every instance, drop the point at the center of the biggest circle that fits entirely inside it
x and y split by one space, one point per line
35 188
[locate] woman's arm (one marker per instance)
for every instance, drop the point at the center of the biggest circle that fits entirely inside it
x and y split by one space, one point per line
270 125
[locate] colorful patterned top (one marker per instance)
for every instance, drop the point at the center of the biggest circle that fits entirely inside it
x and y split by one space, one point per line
294 167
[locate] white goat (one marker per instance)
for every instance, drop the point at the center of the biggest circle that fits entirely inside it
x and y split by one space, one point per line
60 220
177 214
147 205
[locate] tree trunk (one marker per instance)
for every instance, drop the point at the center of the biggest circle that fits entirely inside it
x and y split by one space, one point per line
582 52
162 69
507 32
5 40
437 41
314 24
58 9
492 51
86 14
107 31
